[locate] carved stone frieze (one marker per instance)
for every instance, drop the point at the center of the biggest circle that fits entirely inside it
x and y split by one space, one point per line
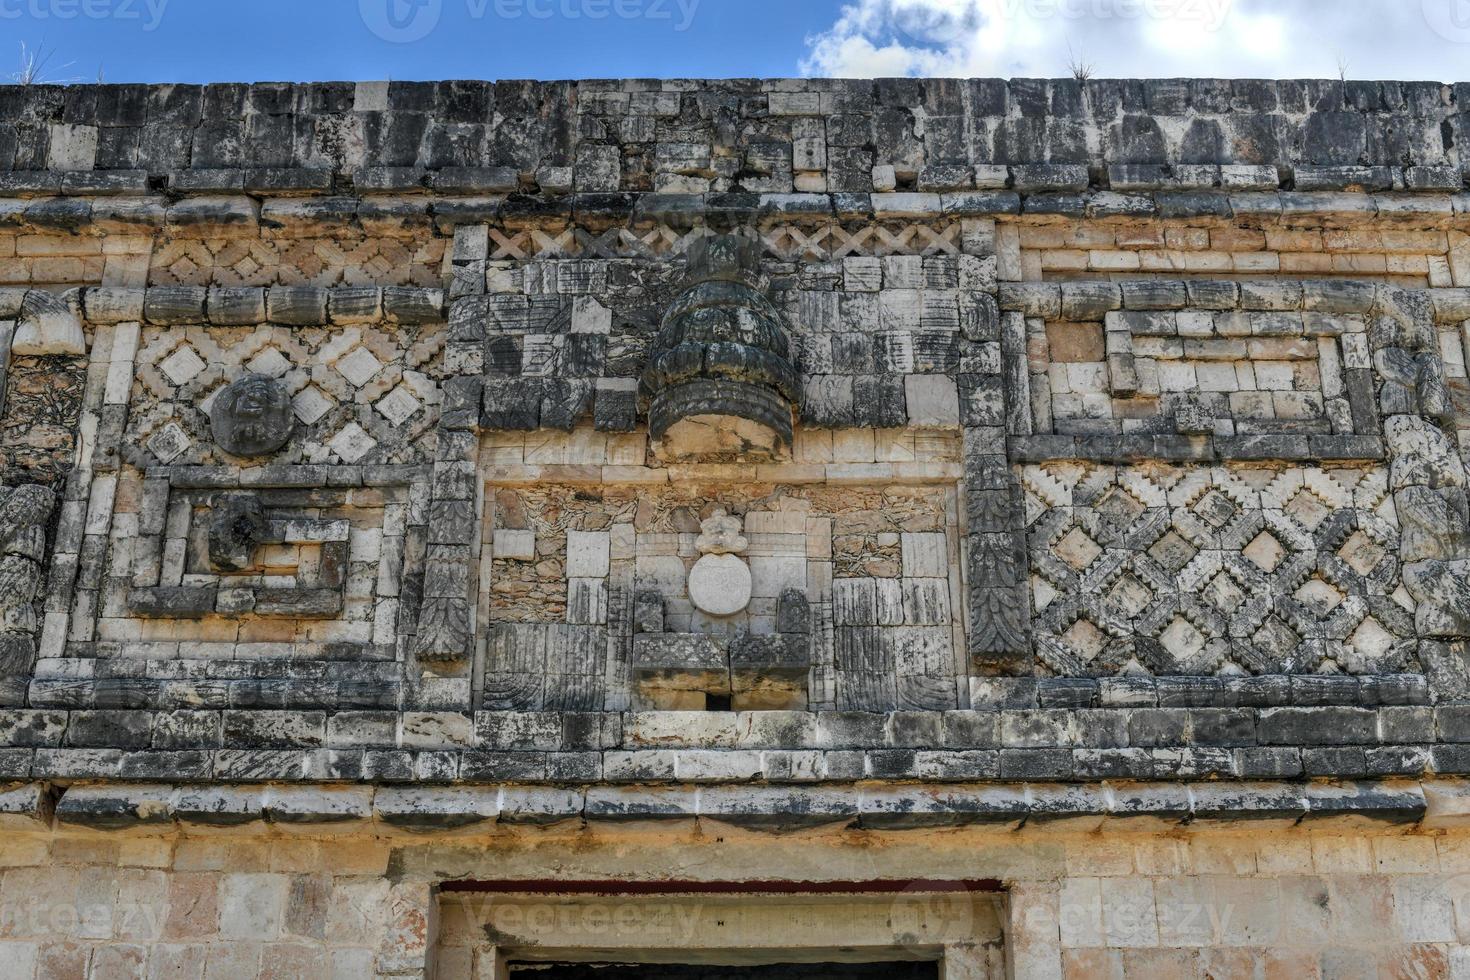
1430 494
720 378
24 512
47 325
1173 570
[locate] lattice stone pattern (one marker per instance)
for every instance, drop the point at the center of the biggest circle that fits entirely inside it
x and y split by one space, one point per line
1223 570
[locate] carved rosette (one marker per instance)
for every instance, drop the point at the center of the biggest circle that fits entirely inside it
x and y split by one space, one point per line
720 381
252 417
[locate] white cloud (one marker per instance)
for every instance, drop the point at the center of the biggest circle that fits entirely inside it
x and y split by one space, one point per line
1144 38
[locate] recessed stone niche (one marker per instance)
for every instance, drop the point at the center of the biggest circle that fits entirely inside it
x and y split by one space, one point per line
702 593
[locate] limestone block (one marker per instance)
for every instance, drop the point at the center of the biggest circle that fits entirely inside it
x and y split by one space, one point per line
793 612
237 527
1431 528
661 574
356 304
587 600
106 807
588 554
933 401
889 598
771 655
854 602
220 806
47 325
590 316
925 555
1422 454
509 545
436 809
73 147
252 417
681 663
648 612
314 808
772 576
236 306
25 808
109 304
1440 587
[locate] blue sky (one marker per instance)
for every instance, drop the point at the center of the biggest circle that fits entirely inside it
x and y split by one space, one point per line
213 40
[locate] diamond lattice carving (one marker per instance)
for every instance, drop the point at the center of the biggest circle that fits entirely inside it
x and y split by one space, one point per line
1077 549
383 382
1223 570
353 261
182 366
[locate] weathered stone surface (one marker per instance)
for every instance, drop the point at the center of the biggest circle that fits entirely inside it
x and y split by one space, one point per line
47 325
1422 454
1098 491
719 377
1128 498
720 585
252 417
24 512
237 527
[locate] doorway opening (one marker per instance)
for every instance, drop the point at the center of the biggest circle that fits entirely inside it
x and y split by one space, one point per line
882 930
777 971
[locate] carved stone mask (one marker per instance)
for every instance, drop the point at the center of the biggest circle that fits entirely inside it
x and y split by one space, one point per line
721 535
236 529
252 417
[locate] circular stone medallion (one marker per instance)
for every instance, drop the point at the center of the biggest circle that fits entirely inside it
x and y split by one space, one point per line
719 585
252 417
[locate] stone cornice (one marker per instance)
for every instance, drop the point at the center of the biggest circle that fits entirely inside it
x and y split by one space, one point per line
1397 737
559 134
388 810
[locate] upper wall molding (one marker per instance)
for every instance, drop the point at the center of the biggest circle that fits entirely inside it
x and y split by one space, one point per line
237 215
501 182
753 135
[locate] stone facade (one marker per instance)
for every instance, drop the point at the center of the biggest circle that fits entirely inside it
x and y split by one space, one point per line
1032 511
